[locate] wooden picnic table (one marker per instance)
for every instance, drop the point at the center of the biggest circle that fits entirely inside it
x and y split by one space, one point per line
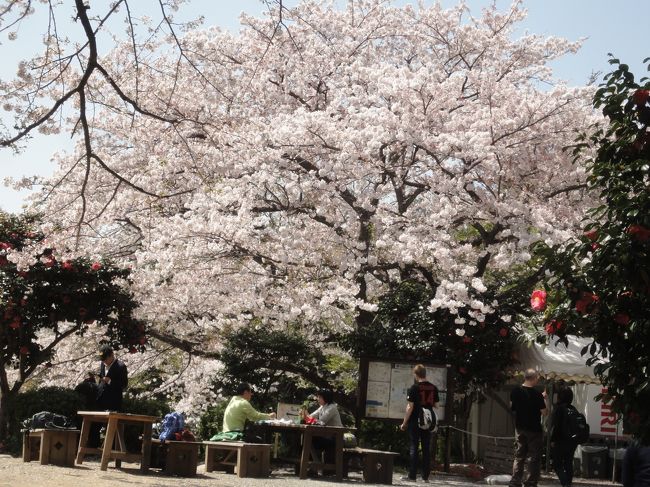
307 432
115 430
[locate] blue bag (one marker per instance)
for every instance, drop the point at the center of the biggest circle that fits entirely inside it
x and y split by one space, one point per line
172 423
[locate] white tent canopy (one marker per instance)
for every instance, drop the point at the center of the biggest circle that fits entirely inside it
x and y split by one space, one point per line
558 361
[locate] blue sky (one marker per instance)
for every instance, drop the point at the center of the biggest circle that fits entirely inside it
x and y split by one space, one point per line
619 27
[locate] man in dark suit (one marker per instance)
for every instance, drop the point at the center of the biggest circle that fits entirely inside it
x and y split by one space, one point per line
113 379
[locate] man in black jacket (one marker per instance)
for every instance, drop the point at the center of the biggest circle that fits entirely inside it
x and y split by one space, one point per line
113 379
562 446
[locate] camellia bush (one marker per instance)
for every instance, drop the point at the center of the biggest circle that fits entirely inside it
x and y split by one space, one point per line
599 284
46 298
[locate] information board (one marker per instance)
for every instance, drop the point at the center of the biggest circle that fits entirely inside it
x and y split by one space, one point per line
388 383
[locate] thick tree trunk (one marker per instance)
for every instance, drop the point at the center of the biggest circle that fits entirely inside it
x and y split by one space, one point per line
5 401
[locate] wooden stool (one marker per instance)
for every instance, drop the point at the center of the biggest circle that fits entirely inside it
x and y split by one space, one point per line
181 457
249 459
377 465
51 446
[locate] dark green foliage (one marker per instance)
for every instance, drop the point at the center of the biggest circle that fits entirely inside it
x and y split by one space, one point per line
211 420
404 327
282 365
149 407
601 283
384 435
54 399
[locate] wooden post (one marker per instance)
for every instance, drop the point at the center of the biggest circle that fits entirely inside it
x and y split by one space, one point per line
306 453
447 449
111 431
434 447
547 422
146 447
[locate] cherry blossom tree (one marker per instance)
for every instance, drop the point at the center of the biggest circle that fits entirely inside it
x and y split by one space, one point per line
321 156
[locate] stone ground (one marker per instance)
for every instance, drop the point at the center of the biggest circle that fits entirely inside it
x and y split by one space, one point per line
15 473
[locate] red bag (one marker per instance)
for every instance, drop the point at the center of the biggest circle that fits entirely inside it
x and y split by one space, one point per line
185 435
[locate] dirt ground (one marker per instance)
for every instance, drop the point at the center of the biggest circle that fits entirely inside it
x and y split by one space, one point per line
15 473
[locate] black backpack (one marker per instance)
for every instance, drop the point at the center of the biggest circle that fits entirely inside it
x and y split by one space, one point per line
47 420
576 428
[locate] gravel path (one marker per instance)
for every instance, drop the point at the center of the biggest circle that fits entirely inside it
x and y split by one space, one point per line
15 473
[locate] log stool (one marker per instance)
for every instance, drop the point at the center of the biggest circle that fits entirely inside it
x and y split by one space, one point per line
51 446
180 457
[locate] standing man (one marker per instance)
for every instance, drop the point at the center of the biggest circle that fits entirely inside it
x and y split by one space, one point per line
113 379
422 395
239 410
529 405
562 445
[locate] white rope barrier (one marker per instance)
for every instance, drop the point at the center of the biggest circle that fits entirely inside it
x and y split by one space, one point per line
477 434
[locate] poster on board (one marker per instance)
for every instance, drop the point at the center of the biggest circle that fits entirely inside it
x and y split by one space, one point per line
388 384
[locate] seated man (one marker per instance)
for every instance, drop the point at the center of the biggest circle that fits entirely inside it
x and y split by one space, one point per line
239 410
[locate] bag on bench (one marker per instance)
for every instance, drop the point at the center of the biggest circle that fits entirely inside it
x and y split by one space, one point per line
47 420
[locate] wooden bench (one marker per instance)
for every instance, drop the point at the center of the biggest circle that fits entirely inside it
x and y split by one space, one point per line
178 457
377 465
51 446
247 459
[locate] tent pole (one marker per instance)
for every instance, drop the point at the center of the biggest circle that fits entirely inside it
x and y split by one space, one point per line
548 432
615 451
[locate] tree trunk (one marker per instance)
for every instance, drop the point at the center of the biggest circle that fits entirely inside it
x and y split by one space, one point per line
465 407
5 400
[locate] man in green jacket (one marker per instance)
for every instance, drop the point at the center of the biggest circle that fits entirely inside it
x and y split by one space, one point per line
239 410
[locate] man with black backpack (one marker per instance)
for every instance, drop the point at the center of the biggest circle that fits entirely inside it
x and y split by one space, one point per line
569 428
529 405
420 421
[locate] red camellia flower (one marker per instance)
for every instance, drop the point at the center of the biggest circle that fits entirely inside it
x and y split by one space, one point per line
24 350
585 301
592 235
467 339
639 232
538 300
15 325
621 318
553 327
67 265
96 266
5 246
50 262
503 332
640 97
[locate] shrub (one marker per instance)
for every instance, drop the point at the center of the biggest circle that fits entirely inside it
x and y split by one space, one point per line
211 420
384 435
58 400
